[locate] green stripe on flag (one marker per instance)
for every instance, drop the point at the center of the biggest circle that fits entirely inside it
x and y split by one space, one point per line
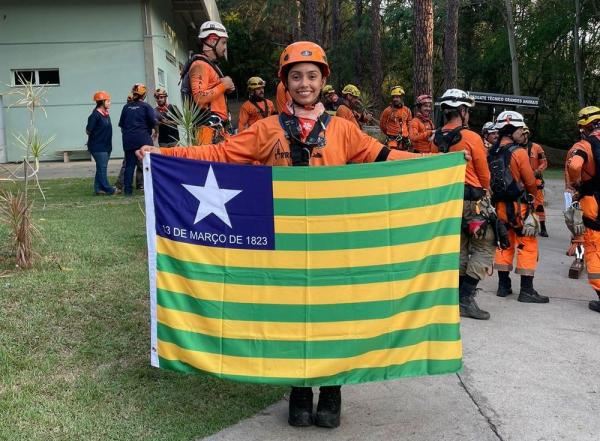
307 277
362 375
260 312
367 171
368 239
368 204
302 349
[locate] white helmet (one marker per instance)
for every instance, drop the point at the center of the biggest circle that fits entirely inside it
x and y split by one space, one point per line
510 118
488 127
456 98
212 27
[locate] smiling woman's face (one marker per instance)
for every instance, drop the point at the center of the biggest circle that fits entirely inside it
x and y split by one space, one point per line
304 83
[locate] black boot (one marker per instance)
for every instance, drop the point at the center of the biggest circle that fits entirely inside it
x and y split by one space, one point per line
329 407
543 231
504 284
301 407
528 294
468 305
594 305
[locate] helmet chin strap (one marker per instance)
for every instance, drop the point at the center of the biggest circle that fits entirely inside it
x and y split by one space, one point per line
213 48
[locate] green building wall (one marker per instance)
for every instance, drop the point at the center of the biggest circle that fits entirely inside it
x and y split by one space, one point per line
96 45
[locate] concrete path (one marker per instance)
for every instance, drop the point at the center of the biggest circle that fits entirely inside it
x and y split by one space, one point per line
532 372
76 169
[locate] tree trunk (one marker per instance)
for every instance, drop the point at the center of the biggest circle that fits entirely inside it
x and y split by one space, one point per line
577 54
376 60
423 47
450 46
335 37
510 27
311 21
296 20
335 23
359 59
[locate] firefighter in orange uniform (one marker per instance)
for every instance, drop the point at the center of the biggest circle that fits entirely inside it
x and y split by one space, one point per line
331 100
539 163
204 83
576 248
583 167
349 109
420 128
302 135
257 107
394 121
478 219
514 189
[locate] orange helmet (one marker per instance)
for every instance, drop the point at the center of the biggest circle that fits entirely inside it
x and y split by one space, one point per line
139 89
303 52
101 95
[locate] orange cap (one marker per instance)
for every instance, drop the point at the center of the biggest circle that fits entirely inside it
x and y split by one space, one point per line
303 52
101 95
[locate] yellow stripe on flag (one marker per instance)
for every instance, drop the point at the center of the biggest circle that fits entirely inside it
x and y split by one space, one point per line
368 221
309 368
369 186
186 321
313 260
300 295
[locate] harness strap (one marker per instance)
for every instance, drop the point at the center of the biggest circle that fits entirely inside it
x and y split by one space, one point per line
301 151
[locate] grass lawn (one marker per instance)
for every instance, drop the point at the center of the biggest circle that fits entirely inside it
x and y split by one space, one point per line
74 335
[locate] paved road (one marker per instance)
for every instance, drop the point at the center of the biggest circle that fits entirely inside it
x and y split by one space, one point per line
532 372
76 169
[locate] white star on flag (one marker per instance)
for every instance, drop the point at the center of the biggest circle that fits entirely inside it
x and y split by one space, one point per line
212 198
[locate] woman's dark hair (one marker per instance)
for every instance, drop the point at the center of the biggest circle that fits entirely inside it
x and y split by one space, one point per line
286 70
100 103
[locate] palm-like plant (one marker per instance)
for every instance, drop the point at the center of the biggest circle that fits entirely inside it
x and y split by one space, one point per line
188 119
15 205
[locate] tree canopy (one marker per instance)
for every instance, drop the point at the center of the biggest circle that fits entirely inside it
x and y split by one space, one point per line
544 34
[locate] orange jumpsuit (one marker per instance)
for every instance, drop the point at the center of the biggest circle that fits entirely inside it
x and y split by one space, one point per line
476 253
538 161
249 114
420 130
581 168
346 112
394 121
282 97
265 143
477 173
526 246
570 187
208 93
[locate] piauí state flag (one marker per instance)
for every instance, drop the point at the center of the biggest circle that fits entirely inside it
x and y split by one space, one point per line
305 275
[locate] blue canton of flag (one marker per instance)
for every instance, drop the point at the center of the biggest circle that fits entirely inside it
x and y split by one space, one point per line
213 204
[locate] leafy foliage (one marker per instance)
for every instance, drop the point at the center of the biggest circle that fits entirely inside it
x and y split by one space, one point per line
544 33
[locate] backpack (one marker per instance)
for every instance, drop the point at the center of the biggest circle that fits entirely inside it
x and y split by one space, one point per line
445 140
184 80
502 183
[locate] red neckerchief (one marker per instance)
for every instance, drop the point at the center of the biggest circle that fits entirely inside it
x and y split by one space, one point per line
103 112
306 126
163 109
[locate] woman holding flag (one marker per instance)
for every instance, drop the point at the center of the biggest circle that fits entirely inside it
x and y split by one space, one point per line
302 135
